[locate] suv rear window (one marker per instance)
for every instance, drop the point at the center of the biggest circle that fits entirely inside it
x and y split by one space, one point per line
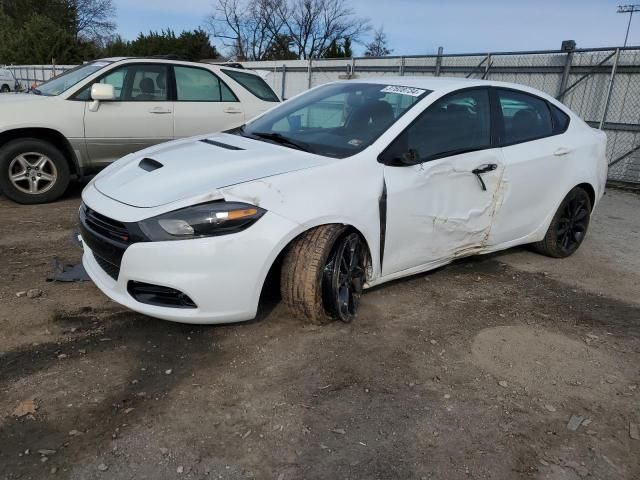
254 84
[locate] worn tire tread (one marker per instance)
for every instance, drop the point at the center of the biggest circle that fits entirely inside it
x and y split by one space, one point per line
302 270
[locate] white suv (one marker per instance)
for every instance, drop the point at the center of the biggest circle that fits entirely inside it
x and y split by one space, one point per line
8 82
88 117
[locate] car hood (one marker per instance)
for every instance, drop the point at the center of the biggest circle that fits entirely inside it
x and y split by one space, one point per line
11 98
195 167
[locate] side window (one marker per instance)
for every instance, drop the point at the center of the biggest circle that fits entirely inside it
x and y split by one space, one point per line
454 124
146 83
560 120
134 83
254 83
199 85
525 117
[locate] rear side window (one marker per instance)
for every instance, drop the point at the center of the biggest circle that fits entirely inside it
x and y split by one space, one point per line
254 84
560 120
525 117
199 85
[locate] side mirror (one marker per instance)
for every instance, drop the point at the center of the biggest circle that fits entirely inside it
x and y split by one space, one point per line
101 92
406 159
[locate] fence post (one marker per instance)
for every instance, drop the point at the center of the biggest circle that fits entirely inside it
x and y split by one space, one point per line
565 75
309 73
353 67
402 66
614 67
284 80
487 67
439 61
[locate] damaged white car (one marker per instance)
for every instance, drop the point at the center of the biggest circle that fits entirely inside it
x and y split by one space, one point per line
346 186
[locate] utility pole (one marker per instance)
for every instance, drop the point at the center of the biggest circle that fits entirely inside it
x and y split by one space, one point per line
630 9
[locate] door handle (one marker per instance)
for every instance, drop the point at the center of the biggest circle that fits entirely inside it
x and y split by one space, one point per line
232 110
562 151
160 110
490 167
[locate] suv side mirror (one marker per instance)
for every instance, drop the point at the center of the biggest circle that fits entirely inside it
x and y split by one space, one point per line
101 92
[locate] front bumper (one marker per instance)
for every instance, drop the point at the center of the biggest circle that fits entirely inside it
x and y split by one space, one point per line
222 275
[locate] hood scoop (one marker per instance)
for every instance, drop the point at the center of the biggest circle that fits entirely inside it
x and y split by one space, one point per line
220 144
149 164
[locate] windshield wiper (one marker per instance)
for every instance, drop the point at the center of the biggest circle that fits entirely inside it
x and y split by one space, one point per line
35 91
282 140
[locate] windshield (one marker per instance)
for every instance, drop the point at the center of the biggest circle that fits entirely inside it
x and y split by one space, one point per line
68 79
336 120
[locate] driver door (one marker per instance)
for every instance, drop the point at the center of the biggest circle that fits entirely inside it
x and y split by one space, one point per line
437 207
140 116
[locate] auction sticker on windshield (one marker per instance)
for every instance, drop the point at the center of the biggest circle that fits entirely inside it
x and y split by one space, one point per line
414 92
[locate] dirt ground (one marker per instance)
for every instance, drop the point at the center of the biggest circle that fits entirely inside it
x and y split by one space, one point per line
472 371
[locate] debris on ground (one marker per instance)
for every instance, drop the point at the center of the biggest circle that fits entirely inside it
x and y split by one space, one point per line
574 422
67 272
634 431
26 407
103 468
34 293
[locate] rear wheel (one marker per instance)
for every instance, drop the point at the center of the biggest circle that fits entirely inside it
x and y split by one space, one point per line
323 274
568 227
33 171
5 88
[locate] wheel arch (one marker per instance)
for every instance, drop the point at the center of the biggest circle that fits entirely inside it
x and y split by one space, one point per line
273 272
587 187
47 134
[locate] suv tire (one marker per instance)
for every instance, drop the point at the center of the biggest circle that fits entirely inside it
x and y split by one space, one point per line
33 171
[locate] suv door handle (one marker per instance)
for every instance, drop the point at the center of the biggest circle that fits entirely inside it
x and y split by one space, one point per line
490 167
232 110
562 151
160 110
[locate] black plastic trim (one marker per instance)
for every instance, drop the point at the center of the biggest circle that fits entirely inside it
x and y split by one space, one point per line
382 208
158 295
220 144
149 164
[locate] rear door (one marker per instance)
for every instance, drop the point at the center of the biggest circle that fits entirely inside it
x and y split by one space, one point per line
537 157
140 116
203 103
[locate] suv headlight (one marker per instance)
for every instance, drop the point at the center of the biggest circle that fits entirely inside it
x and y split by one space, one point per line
205 220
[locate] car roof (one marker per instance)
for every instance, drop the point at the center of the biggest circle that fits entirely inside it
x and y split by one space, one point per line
447 84
178 61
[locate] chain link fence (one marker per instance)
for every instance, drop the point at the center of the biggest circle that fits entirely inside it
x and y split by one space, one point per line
601 85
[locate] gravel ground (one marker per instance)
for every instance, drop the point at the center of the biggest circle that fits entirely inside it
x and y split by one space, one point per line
504 366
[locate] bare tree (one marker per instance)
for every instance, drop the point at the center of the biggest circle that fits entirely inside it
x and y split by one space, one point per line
249 27
94 19
314 24
378 47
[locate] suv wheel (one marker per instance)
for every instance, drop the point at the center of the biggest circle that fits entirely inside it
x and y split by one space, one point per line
5 88
323 274
33 171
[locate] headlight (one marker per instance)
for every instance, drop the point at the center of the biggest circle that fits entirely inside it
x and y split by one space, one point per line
205 220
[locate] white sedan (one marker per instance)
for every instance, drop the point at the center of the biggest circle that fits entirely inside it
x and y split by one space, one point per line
344 187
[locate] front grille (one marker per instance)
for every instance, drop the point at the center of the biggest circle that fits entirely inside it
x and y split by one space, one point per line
109 268
159 295
106 226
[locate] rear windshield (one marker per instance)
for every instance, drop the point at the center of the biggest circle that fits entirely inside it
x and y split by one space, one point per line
254 84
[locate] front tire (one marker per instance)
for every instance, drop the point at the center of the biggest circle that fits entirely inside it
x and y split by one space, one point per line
323 274
33 171
568 226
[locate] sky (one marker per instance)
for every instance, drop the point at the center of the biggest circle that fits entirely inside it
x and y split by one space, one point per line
415 27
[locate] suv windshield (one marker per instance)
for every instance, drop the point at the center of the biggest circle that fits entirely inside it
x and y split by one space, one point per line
68 79
336 120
